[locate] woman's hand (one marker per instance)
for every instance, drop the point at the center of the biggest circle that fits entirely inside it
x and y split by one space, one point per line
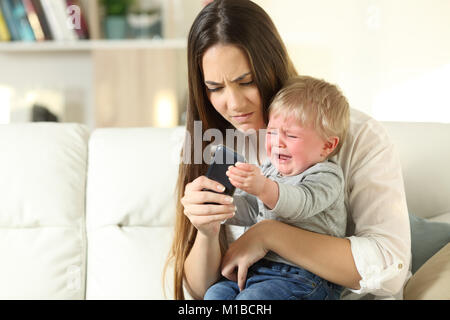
243 253
206 218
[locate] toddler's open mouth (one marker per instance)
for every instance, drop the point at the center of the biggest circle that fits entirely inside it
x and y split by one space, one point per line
283 157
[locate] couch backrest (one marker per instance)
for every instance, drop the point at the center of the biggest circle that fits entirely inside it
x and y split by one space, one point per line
424 150
42 191
130 210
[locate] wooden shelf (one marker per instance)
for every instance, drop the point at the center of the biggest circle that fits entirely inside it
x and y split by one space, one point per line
89 45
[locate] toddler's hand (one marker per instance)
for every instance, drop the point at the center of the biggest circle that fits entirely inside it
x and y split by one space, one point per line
247 177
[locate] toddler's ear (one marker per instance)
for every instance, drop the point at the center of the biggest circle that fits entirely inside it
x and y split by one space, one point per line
330 145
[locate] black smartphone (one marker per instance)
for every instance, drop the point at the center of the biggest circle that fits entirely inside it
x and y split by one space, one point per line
223 158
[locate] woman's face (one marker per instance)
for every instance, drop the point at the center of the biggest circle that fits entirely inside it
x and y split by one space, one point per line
231 88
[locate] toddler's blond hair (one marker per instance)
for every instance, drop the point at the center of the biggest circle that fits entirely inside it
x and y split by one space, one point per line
314 103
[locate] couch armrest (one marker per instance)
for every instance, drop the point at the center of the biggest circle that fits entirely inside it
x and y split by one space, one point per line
432 280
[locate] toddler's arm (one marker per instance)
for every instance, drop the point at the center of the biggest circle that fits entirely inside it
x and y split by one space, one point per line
320 188
317 191
248 177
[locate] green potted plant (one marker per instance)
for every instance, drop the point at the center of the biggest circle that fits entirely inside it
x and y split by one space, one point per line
115 22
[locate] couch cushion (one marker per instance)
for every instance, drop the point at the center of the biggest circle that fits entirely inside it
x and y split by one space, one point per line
424 154
127 262
432 280
427 238
130 210
42 235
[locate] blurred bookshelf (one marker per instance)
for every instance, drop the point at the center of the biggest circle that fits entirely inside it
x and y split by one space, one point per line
51 25
102 78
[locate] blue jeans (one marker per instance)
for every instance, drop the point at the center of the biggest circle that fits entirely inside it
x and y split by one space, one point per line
267 280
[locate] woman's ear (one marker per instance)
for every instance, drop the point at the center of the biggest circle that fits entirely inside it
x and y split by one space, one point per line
329 146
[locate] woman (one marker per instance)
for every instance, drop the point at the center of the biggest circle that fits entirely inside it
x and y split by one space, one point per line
237 62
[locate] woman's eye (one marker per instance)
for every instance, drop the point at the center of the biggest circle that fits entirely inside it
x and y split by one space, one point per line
293 137
247 83
213 89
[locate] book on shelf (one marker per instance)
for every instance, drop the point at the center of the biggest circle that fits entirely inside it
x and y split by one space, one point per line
34 20
93 18
37 6
40 20
16 19
55 11
4 32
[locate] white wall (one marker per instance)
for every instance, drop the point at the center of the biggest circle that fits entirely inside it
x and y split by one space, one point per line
58 80
390 57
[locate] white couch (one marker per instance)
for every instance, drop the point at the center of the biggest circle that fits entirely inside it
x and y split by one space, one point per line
89 215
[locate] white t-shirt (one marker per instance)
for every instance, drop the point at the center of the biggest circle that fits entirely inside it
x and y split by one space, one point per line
378 223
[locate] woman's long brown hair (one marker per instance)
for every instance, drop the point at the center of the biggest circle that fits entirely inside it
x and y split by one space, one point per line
246 25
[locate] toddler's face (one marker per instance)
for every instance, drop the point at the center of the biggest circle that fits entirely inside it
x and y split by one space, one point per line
291 147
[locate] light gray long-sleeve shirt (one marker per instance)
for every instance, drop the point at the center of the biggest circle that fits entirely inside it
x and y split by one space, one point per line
312 200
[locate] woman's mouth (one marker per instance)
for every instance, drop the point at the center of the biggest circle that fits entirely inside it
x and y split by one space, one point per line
242 118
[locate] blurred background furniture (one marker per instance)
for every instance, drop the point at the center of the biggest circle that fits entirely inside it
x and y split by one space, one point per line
387 64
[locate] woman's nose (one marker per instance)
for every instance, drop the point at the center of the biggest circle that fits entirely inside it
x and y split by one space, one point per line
235 100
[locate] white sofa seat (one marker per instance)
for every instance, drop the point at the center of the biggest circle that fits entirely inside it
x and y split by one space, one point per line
91 217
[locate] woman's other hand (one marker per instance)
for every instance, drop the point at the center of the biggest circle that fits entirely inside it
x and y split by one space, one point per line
243 253
207 218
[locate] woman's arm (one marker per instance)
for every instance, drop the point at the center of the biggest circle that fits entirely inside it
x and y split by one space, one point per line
202 265
326 256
